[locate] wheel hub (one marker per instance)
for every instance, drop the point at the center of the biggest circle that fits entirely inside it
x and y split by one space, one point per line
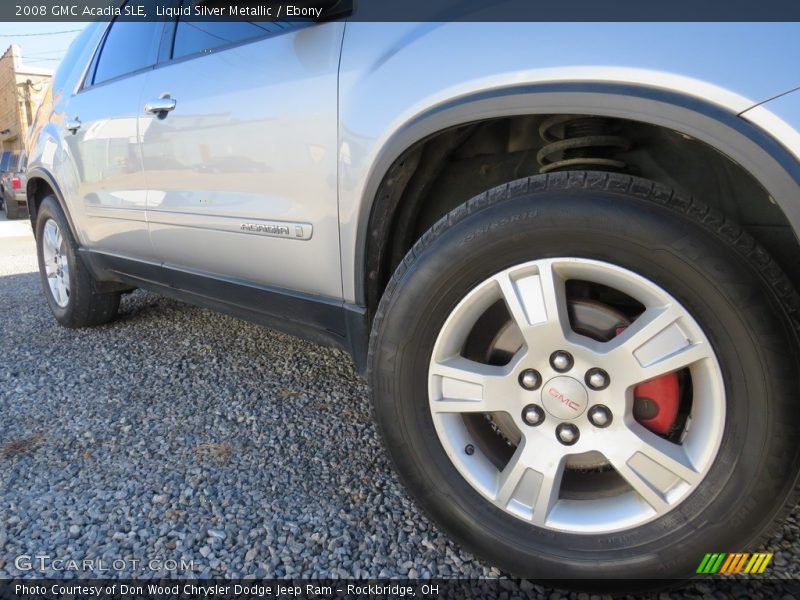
564 397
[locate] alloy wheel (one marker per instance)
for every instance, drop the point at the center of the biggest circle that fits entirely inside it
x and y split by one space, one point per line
556 429
55 263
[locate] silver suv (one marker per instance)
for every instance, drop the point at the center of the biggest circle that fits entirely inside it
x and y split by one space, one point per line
569 275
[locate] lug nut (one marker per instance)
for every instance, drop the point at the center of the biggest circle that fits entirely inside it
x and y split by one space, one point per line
597 379
530 379
533 415
567 434
561 361
600 416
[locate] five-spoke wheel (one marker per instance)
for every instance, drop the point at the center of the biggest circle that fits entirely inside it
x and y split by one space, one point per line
564 401
55 263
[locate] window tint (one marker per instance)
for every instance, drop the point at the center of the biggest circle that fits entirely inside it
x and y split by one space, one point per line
129 46
192 37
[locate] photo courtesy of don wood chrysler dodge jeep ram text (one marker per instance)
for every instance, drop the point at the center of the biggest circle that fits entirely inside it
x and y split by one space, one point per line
570 277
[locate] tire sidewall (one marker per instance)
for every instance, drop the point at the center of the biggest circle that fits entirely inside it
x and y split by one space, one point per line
720 289
48 210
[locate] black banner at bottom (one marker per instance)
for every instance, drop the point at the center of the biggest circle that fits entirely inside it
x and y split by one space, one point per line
321 589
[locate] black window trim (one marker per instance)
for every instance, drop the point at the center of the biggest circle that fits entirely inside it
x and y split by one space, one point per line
301 24
88 79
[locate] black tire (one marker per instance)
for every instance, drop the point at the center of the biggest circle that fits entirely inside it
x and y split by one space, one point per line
85 306
737 294
11 208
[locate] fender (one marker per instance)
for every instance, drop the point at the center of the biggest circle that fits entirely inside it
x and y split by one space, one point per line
39 173
771 163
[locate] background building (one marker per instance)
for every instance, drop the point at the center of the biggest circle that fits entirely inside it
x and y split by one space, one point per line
22 89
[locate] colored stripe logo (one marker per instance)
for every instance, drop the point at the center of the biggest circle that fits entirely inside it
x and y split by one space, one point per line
734 563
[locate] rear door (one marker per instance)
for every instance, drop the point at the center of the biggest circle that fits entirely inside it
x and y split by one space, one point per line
101 134
240 161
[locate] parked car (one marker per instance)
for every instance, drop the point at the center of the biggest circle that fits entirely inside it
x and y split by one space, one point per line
5 159
569 276
12 186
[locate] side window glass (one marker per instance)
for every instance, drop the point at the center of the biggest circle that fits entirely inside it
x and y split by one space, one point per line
128 47
196 37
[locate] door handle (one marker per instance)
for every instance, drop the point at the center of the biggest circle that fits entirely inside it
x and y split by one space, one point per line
73 125
161 106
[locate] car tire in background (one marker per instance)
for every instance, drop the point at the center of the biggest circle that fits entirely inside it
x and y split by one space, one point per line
68 285
11 209
589 375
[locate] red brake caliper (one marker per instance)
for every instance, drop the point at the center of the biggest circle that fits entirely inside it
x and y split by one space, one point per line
656 402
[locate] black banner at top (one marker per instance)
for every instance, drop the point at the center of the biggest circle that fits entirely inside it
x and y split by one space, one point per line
402 10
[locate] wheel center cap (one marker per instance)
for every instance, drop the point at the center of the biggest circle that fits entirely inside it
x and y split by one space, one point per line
564 397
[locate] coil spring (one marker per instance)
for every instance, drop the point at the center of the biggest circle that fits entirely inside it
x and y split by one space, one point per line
580 142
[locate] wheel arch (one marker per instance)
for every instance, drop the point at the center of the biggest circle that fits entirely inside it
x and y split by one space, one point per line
41 184
717 123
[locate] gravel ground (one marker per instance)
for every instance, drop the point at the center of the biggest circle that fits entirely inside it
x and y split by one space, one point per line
178 433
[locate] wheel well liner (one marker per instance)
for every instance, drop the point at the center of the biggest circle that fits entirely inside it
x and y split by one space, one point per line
755 151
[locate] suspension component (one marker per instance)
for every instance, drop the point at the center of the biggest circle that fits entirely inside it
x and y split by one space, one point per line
580 143
656 403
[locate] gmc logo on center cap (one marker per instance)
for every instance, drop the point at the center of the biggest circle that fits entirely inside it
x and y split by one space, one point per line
563 399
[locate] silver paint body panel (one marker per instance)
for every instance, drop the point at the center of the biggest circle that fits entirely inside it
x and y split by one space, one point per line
252 139
112 193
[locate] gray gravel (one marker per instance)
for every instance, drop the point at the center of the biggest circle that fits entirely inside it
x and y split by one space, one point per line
178 433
